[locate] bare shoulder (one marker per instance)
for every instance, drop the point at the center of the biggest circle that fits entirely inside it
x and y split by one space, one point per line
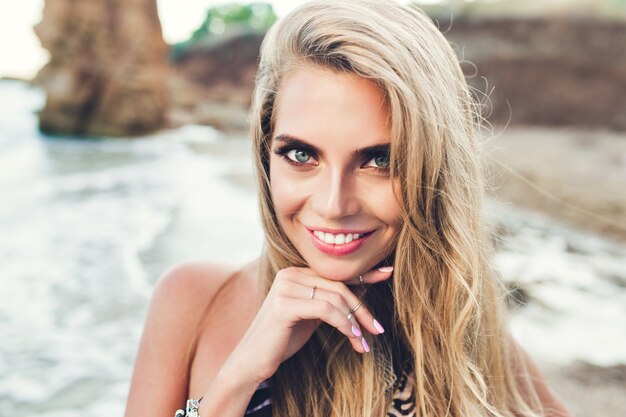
186 294
170 333
224 322
188 287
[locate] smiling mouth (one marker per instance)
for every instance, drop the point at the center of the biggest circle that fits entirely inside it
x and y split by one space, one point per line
338 244
338 238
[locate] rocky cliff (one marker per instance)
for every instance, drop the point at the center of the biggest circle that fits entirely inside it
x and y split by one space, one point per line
553 71
547 71
109 75
213 82
108 67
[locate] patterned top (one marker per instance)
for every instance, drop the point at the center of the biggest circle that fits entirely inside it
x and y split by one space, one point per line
402 400
260 404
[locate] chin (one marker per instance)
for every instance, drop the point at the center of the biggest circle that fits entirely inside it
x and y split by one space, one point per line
335 275
342 270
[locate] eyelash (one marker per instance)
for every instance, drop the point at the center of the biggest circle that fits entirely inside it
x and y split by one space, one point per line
284 151
374 155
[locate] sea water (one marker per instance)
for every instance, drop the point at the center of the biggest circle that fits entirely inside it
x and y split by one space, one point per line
86 228
88 225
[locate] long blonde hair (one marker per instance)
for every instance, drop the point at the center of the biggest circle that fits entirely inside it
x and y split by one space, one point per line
446 305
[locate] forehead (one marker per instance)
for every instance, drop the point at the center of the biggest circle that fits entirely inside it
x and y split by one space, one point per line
329 107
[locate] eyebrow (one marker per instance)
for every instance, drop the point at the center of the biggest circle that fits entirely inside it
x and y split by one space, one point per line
290 140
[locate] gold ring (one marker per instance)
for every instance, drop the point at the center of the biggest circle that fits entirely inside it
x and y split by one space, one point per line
357 306
313 292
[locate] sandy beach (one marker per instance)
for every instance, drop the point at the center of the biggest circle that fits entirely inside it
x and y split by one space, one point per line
590 390
576 178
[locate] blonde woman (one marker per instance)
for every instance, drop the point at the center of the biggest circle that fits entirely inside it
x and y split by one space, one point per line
373 295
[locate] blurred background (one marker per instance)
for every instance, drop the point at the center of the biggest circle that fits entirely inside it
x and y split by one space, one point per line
124 151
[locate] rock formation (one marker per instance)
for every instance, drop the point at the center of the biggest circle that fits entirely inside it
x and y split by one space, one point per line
553 71
108 68
547 71
213 82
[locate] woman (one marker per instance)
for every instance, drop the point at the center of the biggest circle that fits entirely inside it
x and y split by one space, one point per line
373 294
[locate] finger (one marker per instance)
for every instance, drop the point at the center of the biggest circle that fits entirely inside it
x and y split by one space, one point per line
338 301
343 297
314 309
312 291
305 276
372 276
364 315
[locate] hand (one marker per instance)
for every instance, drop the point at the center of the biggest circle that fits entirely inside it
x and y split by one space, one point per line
289 316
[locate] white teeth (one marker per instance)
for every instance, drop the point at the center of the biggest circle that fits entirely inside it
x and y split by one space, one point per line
338 239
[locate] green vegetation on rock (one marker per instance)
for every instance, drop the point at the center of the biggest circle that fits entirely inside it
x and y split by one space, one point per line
226 21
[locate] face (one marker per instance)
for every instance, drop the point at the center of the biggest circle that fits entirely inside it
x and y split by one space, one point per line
329 172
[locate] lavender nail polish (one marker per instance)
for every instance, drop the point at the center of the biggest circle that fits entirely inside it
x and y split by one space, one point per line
365 345
356 331
378 327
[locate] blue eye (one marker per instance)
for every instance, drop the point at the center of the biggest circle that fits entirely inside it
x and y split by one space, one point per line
382 161
379 162
298 155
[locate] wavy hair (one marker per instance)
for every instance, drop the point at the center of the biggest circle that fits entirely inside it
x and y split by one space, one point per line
447 306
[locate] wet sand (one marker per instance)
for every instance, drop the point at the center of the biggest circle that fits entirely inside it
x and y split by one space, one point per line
576 176
590 390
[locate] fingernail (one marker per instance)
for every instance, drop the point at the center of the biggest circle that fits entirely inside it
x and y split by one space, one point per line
385 268
356 331
378 326
365 345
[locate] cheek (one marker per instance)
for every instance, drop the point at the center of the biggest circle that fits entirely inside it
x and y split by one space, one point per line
382 203
394 203
285 191
390 213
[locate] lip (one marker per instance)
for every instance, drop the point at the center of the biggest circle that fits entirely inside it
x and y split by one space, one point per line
341 249
338 231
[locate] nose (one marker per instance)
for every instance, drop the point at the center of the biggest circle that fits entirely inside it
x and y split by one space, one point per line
335 196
